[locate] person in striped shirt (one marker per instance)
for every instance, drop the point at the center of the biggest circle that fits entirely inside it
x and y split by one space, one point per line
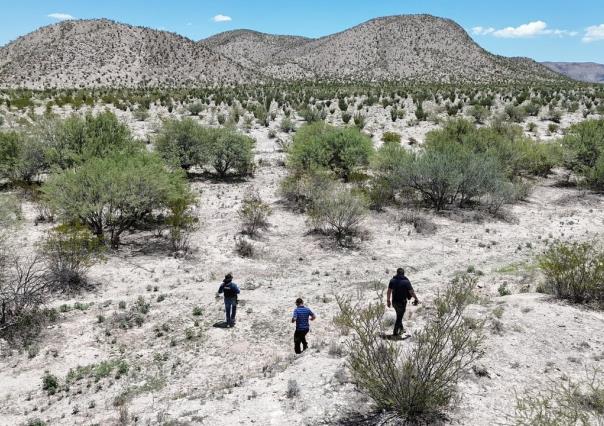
301 316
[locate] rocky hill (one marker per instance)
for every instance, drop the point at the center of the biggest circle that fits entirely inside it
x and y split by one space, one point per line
105 53
589 72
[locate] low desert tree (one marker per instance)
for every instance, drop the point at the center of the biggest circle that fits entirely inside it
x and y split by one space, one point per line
584 151
231 152
574 271
420 380
21 157
74 140
110 195
69 251
254 213
181 142
338 212
344 151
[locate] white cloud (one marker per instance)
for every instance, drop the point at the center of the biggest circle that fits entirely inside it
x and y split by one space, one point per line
61 16
483 30
594 33
221 18
532 29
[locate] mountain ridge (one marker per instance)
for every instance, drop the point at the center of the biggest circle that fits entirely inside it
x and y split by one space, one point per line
589 72
101 52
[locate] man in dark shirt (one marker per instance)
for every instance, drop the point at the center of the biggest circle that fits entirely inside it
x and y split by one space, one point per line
301 316
399 291
230 290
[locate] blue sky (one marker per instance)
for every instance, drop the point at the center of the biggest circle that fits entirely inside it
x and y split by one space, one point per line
558 30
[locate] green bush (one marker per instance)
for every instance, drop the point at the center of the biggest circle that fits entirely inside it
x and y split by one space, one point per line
479 113
50 383
584 151
574 271
180 220
287 125
182 143
69 251
391 137
187 144
338 212
562 403
111 195
254 213
319 145
231 152
21 157
416 382
72 141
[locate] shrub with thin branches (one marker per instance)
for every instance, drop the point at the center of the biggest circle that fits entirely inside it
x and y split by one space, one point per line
254 213
417 381
574 271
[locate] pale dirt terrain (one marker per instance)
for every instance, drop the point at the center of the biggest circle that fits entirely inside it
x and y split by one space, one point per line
240 376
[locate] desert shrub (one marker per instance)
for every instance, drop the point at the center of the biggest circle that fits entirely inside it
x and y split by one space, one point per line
69 251
287 125
517 114
180 220
110 195
417 381
301 190
50 383
391 137
563 403
231 152
574 271
10 211
421 224
584 151
244 248
74 140
346 116
195 108
515 153
359 120
21 157
254 213
338 212
23 289
311 114
479 113
181 142
319 145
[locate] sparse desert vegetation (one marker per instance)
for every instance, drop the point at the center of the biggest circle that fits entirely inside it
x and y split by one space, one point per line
122 206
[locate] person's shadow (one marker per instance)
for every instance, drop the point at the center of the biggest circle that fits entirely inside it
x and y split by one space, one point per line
221 324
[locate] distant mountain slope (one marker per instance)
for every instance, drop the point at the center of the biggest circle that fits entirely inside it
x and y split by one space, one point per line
589 72
417 47
105 53
252 48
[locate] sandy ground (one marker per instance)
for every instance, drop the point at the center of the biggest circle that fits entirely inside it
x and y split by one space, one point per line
240 376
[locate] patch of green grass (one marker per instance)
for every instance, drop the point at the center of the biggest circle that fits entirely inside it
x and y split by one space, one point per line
98 371
152 384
